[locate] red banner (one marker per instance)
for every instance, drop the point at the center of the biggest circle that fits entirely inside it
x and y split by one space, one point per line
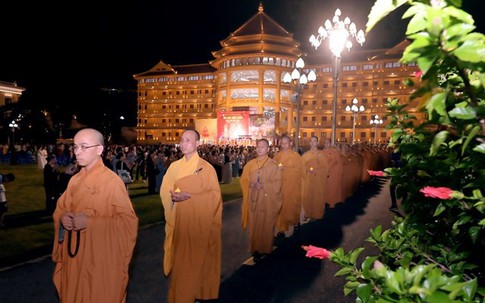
232 125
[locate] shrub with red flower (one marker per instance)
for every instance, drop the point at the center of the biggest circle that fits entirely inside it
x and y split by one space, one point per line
443 193
316 252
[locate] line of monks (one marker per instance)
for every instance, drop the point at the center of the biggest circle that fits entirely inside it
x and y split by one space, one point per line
283 191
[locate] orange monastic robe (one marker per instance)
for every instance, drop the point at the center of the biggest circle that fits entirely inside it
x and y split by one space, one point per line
260 208
290 165
99 271
334 180
314 191
193 240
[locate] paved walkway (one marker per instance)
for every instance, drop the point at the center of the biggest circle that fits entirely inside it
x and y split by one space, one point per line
286 276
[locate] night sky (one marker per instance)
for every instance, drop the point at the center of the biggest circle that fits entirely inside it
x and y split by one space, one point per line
89 45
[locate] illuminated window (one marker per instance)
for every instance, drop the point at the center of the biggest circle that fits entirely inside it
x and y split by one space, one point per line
245 76
269 94
244 93
270 76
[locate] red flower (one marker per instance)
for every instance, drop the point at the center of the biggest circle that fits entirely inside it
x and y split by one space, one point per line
418 74
443 193
376 173
316 252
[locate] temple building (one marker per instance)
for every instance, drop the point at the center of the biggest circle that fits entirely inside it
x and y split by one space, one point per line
240 96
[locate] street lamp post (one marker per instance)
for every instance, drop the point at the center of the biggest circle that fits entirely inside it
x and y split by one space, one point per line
376 121
338 35
355 109
13 125
299 79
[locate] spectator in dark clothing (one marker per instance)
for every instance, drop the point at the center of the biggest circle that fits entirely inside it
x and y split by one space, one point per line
141 157
151 172
70 170
216 163
51 183
160 169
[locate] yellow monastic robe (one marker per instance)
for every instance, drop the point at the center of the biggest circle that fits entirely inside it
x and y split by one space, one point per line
334 180
260 208
314 188
290 165
99 270
348 173
193 240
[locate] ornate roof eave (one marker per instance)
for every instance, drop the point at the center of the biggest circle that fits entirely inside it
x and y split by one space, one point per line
179 70
288 41
260 34
161 68
257 49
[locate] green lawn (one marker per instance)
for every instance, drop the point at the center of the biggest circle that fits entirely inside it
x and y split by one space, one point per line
30 231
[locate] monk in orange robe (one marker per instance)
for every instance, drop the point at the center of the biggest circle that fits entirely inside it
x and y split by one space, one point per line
261 187
334 180
314 186
348 168
95 229
192 203
290 165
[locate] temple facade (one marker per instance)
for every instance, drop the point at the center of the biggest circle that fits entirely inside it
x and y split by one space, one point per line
246 77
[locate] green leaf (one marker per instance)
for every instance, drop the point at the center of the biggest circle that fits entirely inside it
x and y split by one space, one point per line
471 51
458 14
437 103
376 232
344 271
364 291
469 138
469 289
380 9
459 29
480 148
355 254
474 232
438 297
392 282
441 208
463 113
350 286
417 24
425 63
368 265
437 141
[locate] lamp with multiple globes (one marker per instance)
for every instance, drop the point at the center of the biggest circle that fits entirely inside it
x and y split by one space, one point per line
338 33
376 122
355 109
13 126
298 79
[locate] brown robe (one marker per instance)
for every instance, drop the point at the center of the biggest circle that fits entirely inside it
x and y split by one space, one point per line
193 240
314 191
260 208
99 271
290 165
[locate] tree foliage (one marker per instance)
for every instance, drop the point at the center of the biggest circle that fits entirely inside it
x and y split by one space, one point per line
435 253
